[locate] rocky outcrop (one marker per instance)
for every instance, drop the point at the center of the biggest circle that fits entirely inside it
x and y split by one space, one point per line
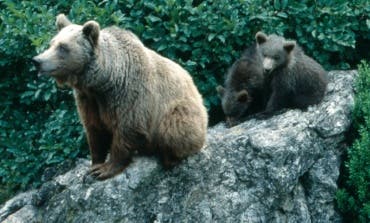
281 169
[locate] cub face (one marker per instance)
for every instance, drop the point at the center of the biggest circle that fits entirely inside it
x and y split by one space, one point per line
70 50
234 104
275 50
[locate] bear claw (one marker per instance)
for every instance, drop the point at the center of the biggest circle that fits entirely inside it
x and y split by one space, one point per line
105 170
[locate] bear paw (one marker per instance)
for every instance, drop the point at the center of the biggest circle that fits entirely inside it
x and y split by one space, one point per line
106 170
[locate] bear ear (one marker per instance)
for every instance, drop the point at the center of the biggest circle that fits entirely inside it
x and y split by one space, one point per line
289 46
220 90
242 96
91 30
261 37
62 22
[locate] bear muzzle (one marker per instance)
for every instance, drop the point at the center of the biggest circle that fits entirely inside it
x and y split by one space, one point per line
268 64
231 121
41 66
36 62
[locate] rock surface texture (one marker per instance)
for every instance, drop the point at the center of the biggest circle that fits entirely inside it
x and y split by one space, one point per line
281 169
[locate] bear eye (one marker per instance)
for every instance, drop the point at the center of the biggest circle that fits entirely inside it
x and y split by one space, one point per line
63 48
277 57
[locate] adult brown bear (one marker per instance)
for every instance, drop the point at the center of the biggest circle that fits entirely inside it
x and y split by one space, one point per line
129 98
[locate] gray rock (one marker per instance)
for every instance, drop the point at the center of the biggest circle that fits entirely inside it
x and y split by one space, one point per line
282 169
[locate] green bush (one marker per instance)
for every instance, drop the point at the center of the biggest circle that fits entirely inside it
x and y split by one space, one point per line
39 126
354 199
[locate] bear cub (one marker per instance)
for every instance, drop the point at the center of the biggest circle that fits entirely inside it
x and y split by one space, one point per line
244 92
294 79
129 98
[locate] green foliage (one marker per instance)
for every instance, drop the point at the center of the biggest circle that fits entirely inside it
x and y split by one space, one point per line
354 199
39 126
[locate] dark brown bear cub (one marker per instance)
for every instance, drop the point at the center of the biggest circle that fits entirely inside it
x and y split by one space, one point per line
245 91
295 80
129 98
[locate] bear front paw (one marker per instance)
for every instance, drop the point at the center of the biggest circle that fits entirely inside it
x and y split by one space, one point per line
106 170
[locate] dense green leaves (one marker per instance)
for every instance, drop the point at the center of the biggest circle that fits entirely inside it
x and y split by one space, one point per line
39 126
354 198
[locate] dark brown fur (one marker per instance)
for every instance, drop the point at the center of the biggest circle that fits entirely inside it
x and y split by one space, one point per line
244 93
295 80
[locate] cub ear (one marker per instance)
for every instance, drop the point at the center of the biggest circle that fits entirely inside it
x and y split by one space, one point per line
220 90
242 96
261 37
62 22
91 30
289 46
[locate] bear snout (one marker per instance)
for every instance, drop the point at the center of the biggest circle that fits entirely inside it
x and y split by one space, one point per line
231 121
43 65
268 64
36 62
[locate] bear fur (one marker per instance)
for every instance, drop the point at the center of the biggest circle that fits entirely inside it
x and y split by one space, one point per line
244 93
295 80
129 98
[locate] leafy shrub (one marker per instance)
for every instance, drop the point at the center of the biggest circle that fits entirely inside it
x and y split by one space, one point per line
354 199
39 126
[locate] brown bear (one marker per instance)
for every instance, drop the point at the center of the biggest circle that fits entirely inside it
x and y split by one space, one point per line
295 80
245 92
129 98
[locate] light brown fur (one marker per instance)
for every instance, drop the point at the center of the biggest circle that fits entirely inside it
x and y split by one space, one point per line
129 98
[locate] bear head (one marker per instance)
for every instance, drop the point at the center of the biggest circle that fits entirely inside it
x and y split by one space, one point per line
234 104
275 50
70 51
